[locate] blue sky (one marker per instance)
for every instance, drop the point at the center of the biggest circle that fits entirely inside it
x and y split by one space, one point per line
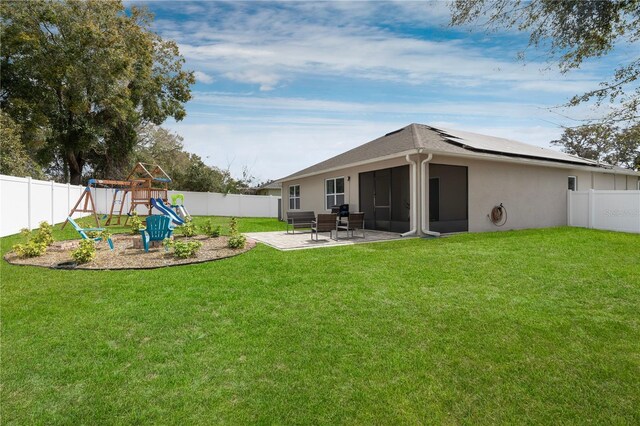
285 85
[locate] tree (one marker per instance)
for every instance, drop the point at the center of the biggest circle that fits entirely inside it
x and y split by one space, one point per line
572 31
603 142
80 76
14 159
188 172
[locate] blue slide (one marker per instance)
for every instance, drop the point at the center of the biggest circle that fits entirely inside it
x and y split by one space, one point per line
159 204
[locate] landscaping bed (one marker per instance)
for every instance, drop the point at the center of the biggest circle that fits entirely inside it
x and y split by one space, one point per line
126 255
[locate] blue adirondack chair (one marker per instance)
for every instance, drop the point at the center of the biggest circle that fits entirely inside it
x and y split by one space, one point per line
158 228
83 232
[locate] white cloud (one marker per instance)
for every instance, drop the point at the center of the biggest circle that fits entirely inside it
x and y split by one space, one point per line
268 46
203 77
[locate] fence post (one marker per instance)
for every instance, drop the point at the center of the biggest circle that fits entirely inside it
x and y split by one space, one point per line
569 210
591 210
53 212
29 202
68 197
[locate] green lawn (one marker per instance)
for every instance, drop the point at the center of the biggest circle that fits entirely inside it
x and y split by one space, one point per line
533 327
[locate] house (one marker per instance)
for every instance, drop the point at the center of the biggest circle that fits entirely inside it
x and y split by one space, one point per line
270 188
421 179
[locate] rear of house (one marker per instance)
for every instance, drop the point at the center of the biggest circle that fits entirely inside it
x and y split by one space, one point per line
420 179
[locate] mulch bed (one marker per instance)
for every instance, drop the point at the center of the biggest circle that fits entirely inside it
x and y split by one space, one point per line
126 256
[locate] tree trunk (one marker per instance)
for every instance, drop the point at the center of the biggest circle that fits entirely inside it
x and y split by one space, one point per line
76 164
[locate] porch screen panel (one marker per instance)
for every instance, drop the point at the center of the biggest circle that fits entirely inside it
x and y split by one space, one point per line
382 199
366 190
400 199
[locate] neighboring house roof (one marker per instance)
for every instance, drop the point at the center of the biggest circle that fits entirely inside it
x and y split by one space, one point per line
434 140
270 185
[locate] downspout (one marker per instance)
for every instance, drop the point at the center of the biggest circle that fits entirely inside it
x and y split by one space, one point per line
425 220
414 204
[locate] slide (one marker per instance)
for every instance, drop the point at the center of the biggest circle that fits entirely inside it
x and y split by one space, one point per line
182 211
159 204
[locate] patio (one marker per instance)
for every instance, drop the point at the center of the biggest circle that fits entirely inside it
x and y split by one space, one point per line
302 240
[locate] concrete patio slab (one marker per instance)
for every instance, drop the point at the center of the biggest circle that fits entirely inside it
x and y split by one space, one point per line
302 240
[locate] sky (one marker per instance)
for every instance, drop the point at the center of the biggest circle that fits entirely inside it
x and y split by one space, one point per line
284 85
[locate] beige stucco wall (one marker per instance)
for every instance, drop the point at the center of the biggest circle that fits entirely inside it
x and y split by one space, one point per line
312 189
535 196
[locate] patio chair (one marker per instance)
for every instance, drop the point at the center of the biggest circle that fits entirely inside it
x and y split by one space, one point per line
324 223
342 211
355 222
158 228
83 232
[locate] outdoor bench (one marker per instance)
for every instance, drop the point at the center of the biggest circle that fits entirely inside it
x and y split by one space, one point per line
301 219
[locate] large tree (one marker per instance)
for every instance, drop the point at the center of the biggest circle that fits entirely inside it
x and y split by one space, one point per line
81 76
603 142
571 31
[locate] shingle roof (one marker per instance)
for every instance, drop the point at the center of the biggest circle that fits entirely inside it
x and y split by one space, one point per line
271 185
441 141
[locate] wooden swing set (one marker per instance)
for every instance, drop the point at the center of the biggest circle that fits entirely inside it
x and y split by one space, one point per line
146 181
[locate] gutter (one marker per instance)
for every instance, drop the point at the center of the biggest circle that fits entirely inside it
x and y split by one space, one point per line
424 220
414 193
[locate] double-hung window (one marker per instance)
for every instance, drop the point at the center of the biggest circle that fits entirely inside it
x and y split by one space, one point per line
573 183
294 197
334 192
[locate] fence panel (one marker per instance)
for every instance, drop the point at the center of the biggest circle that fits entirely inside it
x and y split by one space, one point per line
607 210
25 202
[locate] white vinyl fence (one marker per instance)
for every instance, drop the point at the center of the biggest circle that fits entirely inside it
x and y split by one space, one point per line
609 210
25 202
202 203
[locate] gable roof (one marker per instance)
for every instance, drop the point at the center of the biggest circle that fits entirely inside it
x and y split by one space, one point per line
270 185
428 139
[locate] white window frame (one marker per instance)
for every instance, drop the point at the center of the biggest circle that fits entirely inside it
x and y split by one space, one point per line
294 197
335 194
575 180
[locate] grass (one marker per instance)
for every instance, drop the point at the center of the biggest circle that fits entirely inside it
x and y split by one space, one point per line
538 326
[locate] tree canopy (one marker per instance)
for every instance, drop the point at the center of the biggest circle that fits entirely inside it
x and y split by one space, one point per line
572 31
14 159
605 143
187 170
79 77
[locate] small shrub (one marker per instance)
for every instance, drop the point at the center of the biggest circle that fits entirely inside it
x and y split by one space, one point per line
183 250
233 226
43 234
105 235
30 249
85 253
36 244
188 228
167 243
237 241
136 223
210 230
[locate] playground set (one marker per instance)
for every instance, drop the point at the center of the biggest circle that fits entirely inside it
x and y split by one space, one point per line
147 185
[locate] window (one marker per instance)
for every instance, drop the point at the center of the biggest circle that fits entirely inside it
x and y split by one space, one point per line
573 183
334 192
294 197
